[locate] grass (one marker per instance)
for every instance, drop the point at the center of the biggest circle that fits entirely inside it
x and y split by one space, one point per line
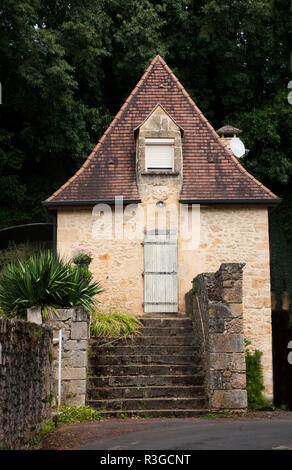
36 441
219 414
65 415
114 324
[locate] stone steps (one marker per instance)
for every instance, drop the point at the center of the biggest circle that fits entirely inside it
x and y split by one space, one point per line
144 380
174 413
134 350
157 373
139 360
165 322
150 369
170 391
163 403
179 340
166 331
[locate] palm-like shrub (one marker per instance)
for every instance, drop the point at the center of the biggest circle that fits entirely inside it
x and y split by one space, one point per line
45 280
81 291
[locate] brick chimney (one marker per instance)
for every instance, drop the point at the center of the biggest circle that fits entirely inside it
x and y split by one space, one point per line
227 133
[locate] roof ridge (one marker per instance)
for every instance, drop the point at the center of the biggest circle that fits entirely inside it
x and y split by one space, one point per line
229 153
113 122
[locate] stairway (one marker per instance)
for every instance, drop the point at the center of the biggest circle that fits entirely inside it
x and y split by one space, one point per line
158 373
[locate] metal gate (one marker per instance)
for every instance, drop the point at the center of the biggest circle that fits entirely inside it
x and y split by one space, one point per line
160 272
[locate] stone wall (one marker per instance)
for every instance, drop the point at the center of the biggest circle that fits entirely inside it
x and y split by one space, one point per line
215 305
25 381
75 336
158 125
237 233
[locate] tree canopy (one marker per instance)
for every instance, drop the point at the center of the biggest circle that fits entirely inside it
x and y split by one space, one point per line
67 67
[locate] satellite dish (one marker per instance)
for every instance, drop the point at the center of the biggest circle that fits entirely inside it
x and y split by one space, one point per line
237 147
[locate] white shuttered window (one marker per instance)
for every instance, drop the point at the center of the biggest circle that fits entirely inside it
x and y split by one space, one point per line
159 154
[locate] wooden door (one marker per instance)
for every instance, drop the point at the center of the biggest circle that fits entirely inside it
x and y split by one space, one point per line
160 272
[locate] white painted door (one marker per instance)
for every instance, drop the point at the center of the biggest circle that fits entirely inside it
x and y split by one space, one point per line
160 271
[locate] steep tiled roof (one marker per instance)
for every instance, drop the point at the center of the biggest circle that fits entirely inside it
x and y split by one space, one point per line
210 171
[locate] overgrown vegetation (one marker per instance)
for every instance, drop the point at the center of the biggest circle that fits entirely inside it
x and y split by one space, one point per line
72 414
114 323
255 380
36 442
45 281
65 415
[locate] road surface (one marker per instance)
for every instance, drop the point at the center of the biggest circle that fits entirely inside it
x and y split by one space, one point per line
259 432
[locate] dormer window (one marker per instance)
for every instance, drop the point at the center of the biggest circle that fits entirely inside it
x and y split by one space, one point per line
159 155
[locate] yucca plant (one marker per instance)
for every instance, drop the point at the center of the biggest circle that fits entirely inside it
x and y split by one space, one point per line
81 290
45 281
114 323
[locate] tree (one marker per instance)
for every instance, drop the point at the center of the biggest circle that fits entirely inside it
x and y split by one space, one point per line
67 67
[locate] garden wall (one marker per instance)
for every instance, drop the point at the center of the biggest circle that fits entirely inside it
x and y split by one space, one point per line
75 326
25 380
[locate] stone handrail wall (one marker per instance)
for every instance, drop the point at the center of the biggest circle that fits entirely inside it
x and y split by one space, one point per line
215 305
25 381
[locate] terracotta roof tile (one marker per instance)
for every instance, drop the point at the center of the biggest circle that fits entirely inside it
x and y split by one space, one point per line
210 171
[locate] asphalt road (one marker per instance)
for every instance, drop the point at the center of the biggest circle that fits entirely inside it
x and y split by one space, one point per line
198 434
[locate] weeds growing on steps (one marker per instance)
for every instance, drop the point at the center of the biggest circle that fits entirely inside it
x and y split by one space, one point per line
114 324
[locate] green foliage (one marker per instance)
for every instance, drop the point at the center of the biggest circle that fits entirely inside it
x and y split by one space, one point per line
255 381
82 255
45 280
114 323
36 442
280 227
219 414
52 112
73 414
85 272
267 132
21 251
67 68
66 415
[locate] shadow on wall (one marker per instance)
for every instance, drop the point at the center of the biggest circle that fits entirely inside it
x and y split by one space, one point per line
282 357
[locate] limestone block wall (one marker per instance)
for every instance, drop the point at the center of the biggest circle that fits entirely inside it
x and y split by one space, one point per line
215 304
237 234
230 233
25 381
75 336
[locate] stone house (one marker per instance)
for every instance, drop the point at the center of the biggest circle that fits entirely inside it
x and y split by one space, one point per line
158 164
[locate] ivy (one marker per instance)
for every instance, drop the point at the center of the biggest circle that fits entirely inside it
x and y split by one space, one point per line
254 380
